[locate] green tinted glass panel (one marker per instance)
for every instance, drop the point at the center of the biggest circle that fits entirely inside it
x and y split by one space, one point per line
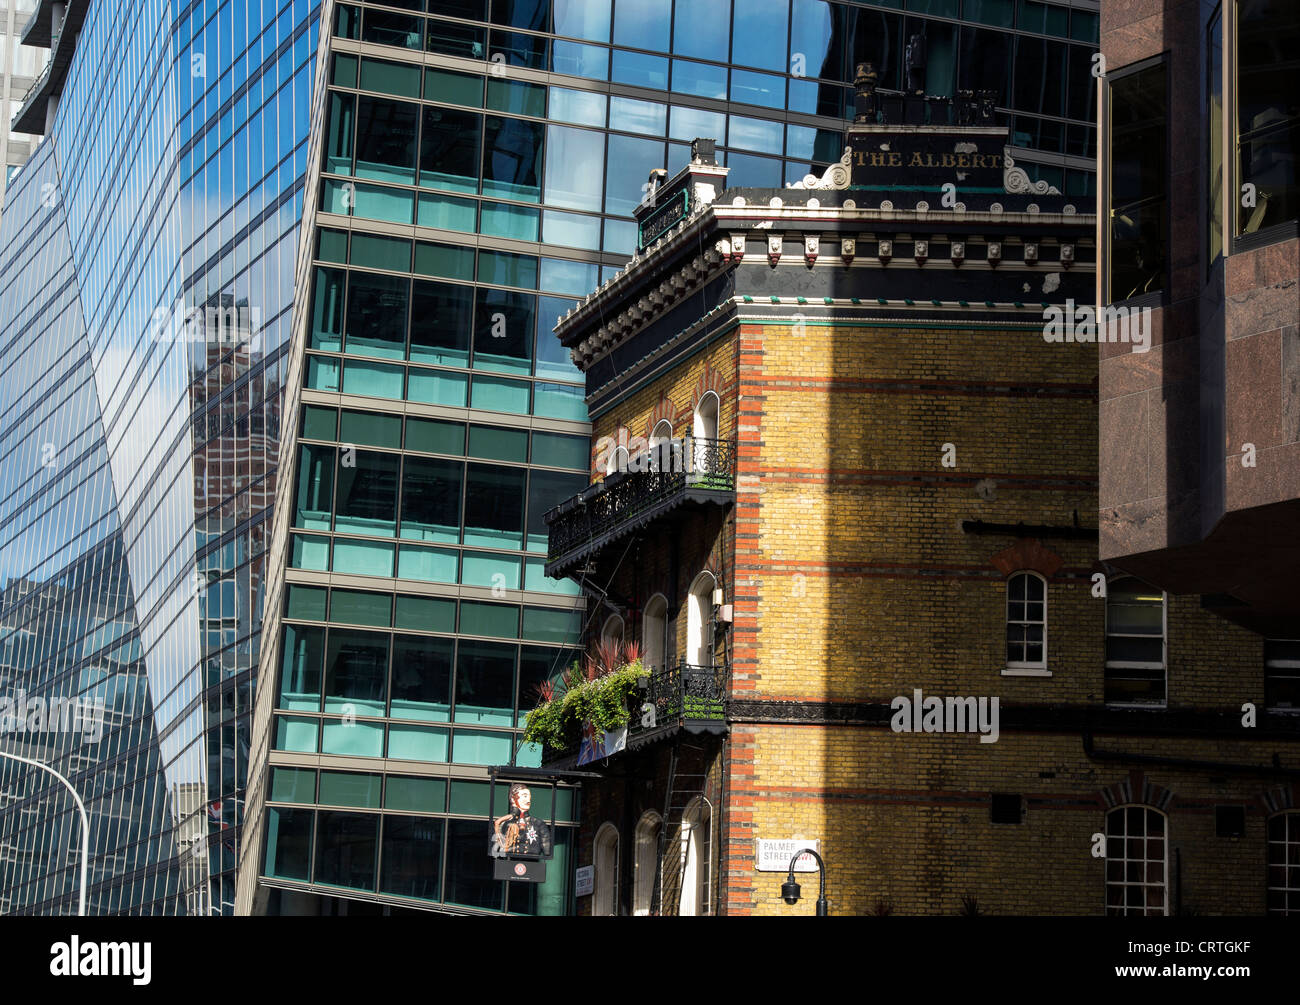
363 558
448 261
349 788
490 571
426 614
446 212
355 607
498 444
371 429
391 78
517 222
429 565
376 380
322 373
306 602
417 743
423 795
471 798
497 394
288 842
332 245
295 734
375 251
345 70
559 401
437 387
319 423
435 437
506 269
379 202
474 746
327 309
516 97
547 624
559 451
293 785
453 88
497 620
360 739
538 581
311 552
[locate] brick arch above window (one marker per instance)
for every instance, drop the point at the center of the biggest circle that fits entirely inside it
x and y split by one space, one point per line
1139 789
709 380
1028 554
665 410
1281 798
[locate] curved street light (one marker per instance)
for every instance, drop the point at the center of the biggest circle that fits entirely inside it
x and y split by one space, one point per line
790 889
85 821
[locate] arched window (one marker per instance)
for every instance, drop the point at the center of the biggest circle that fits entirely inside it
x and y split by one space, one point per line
705 425
697 859
1135 643
618 460
1137 861
661 438
654 633
612 631
646 862
699 621
705 430
604 898
1283 856
1026 622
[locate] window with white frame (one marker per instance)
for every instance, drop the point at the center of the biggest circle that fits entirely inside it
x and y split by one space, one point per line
699 620
1282 675
1026 622
1135 643
646 862
612 632
661 446
1284 864
604 899
1137 861
654 633
697 859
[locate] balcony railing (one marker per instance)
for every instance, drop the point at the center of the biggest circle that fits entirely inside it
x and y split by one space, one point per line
675 471
695 696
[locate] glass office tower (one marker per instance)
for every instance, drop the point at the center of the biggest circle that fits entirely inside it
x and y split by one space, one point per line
146 282
475 172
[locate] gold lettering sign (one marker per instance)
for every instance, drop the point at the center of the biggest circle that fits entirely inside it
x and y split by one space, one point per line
926 159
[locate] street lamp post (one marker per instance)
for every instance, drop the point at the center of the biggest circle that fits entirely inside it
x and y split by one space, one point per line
790 889
85 821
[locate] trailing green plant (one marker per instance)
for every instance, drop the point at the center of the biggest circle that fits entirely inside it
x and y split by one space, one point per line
596 691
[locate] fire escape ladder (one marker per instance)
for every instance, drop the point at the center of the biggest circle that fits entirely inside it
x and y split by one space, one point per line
674 843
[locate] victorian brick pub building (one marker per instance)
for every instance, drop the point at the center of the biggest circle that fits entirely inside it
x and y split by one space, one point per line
877 508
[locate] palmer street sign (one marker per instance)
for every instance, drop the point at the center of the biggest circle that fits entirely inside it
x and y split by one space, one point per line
774 855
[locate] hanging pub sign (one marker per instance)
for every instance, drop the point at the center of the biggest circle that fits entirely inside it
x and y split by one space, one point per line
520 844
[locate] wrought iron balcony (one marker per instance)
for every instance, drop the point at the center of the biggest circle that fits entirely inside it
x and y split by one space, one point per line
693 696
676 472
